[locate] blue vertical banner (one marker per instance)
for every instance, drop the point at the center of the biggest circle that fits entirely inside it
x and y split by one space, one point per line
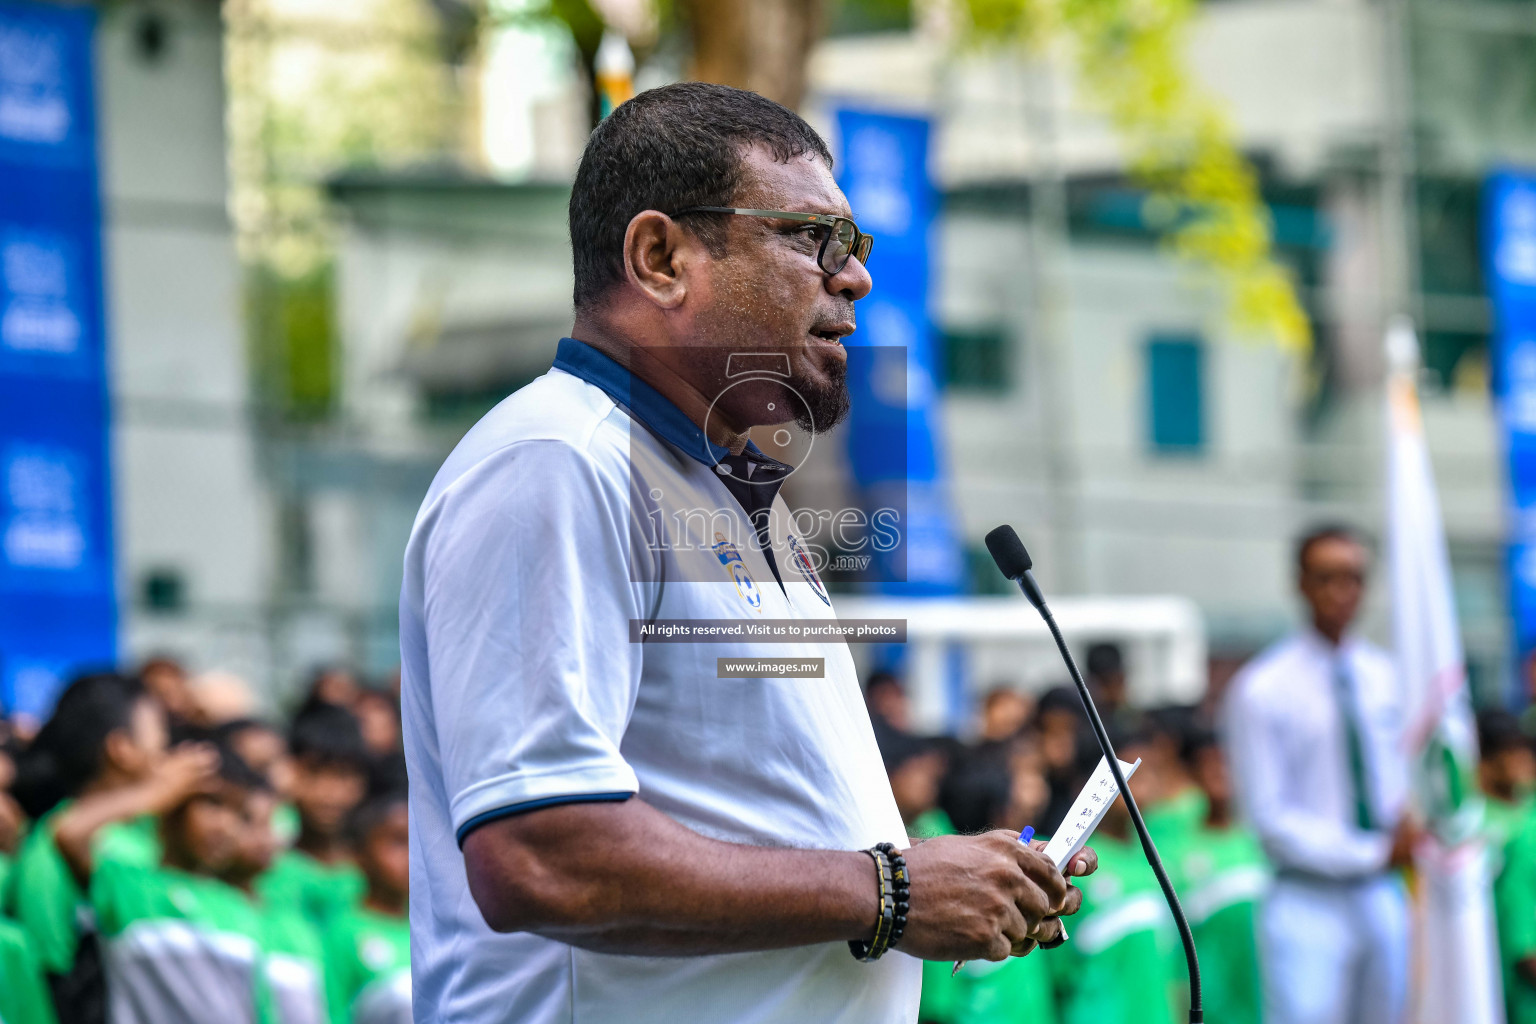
58 609
883 171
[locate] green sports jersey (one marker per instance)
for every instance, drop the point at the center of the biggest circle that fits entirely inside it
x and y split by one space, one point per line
294 964
44 895
178 948
1514 900
1173 819
1014 990
1502 824
24 997
1221 876
1116 968
7 866
317 889
368 956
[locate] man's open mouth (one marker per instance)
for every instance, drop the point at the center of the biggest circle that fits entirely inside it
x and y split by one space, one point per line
834 333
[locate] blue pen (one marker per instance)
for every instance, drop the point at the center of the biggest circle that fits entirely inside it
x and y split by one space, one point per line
1025 836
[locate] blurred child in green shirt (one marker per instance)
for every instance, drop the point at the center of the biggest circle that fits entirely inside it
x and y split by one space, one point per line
107 736
1000 785
1221 874
330 775
1506 775
1515 906
369 944
13 820
1180 808
293 955
1116 968
24 998
265 748
179 944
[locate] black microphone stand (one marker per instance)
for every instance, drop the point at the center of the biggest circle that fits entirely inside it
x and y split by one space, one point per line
1026 581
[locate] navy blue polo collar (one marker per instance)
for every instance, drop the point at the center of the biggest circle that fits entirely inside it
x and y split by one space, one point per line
644 402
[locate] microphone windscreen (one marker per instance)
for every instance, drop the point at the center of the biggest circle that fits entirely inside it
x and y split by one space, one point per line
1008 552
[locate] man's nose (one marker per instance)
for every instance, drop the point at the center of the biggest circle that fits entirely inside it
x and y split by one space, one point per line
852 282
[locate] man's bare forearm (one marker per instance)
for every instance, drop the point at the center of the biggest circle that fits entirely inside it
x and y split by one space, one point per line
626 878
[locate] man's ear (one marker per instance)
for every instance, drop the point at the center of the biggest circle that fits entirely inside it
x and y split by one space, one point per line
658 255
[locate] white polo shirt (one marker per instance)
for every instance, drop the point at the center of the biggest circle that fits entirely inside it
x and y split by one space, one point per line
579 505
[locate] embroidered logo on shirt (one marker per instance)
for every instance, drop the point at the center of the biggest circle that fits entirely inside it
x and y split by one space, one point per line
731 559
807 569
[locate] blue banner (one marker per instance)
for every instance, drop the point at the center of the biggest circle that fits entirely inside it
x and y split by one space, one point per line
58 610
884 173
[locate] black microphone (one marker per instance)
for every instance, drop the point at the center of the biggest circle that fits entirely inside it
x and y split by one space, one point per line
1008 552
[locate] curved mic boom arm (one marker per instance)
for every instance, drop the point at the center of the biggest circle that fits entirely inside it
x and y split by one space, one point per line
1008 551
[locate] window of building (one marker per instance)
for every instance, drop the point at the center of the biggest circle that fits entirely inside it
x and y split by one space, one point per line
978 359
1176 394
164 590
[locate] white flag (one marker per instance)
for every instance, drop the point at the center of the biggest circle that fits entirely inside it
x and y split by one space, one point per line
1458 972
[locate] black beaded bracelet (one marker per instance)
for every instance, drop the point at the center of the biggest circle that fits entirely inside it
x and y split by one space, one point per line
885 926
901 883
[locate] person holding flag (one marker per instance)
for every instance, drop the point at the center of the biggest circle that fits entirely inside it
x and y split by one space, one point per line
1314 731
1457 973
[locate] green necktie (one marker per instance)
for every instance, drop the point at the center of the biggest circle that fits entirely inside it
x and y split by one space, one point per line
1349 710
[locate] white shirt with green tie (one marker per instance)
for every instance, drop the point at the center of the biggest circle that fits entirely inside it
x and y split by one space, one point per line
1315 735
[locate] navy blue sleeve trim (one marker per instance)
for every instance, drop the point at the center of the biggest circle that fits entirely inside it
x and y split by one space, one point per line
534 805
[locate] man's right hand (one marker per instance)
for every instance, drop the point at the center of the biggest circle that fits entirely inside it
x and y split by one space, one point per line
1405 839
985 897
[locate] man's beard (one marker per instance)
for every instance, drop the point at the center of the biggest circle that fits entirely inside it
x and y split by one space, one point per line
823 405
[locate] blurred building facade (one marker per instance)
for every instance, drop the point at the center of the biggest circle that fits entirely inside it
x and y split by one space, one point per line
193 506
1094 396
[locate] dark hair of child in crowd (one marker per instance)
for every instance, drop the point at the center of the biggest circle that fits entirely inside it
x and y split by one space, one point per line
1174 724
975 794
1059 699
388 774
330 776
1130 733
1499 731
379 833
261 745
1171 726
1197 741
1132 738
105 728
329 686
326 735
1507 760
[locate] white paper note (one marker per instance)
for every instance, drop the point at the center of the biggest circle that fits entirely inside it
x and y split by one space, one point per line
1087 811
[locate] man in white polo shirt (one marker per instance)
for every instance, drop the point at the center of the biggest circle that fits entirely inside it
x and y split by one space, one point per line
602 829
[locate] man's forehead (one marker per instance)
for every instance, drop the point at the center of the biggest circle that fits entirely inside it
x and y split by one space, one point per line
802 184
1336 550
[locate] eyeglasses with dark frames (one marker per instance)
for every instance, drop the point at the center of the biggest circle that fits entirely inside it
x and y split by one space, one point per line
840 240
